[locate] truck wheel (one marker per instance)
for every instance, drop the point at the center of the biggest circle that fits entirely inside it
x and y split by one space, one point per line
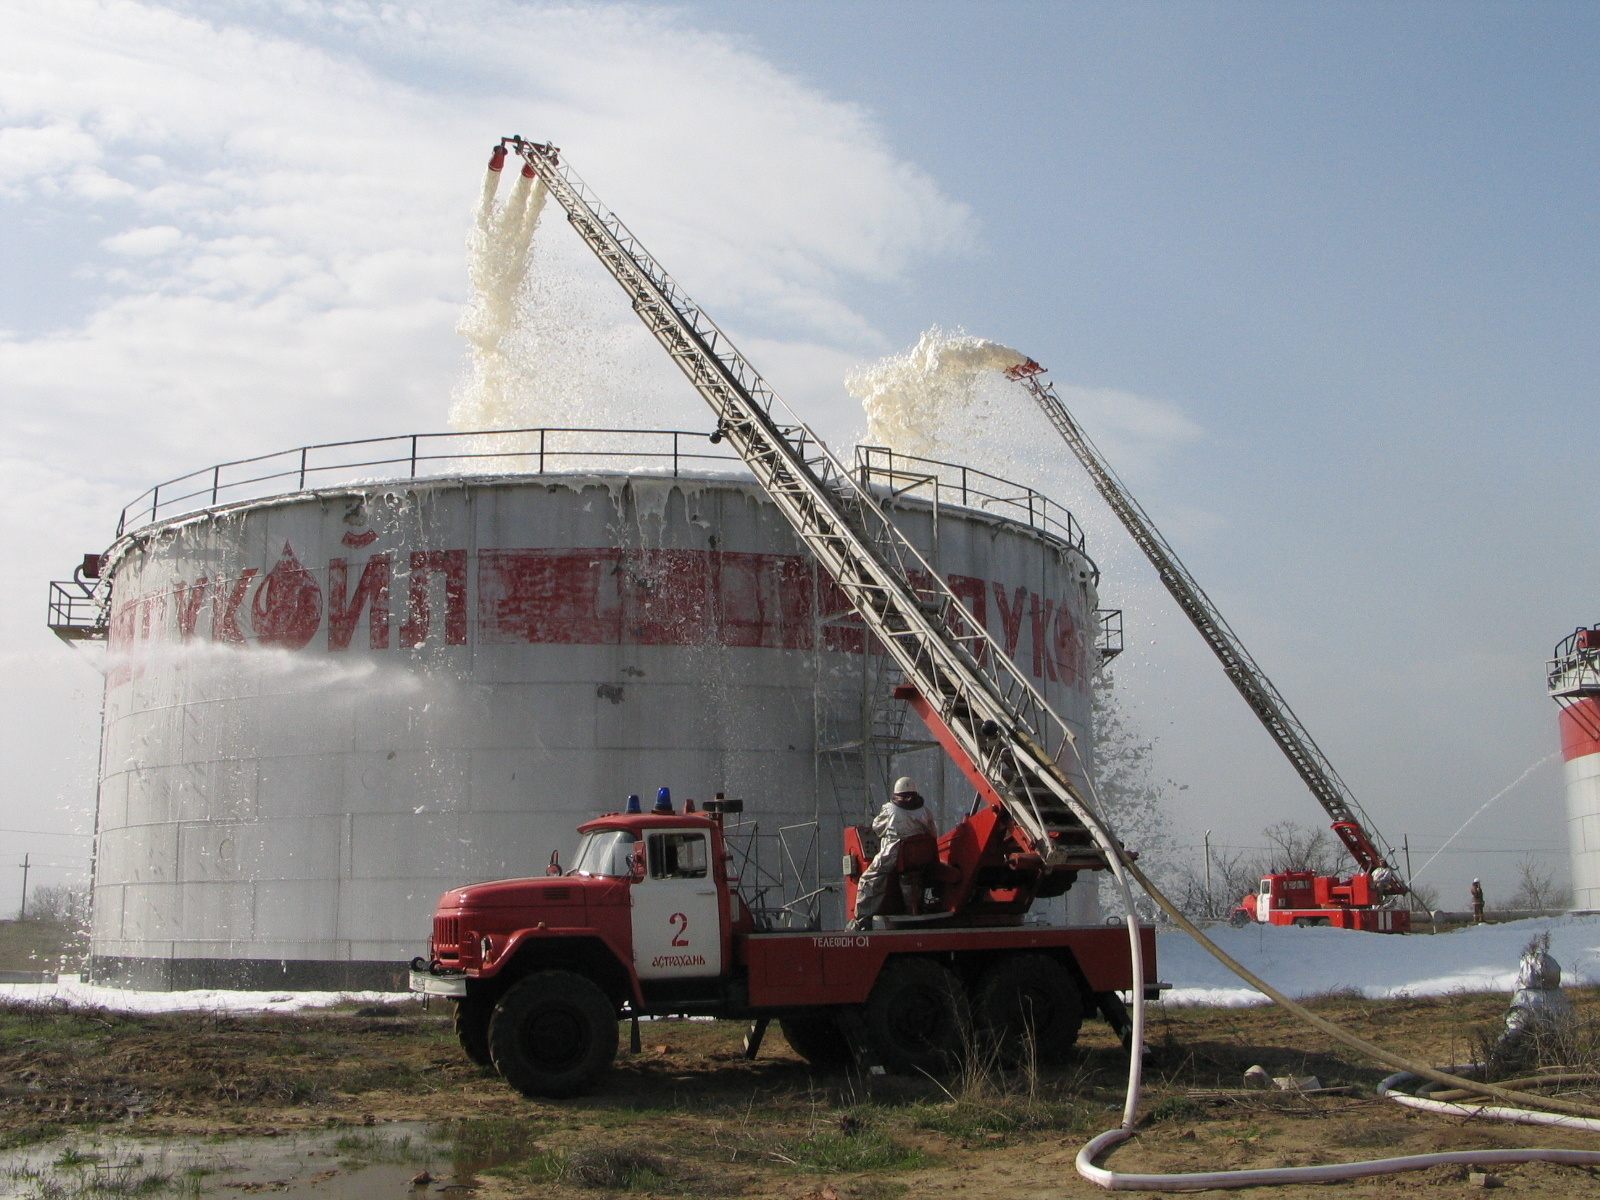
817 1039
1238 918
553 1034
916 1017
1028 996
472 1029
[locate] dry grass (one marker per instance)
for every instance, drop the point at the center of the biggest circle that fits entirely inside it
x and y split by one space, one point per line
697 1119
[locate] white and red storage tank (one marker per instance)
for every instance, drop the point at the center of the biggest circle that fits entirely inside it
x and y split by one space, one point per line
1574 675
325 708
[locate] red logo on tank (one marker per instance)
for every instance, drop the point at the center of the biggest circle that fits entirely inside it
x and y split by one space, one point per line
288 605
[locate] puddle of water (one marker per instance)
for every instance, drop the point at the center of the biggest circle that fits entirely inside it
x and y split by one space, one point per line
336 1164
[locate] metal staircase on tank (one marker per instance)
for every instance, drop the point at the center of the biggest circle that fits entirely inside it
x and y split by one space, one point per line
861 737
1000 721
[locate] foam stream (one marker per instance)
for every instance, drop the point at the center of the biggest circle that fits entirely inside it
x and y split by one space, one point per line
498 254
915 401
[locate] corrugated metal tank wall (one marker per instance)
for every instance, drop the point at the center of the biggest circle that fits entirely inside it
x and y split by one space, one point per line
325 709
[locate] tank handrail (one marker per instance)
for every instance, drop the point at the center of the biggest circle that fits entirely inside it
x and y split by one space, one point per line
210 485
550 446
969 487
1574 670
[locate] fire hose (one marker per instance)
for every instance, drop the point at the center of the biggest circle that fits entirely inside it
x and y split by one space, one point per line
1572 1115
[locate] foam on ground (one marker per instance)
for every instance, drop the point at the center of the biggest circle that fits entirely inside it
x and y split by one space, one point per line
75 994
1312 962
1300 962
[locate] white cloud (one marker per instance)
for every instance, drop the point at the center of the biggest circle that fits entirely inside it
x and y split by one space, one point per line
144 243
292 207
29 152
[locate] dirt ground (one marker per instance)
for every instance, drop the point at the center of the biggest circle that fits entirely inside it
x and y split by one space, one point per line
689 1116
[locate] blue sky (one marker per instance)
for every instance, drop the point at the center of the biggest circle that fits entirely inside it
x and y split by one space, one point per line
1348 251
1356 244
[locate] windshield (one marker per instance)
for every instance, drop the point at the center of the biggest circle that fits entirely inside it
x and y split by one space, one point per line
608 852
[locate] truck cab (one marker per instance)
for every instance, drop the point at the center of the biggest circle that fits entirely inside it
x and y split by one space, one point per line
681 903
650 893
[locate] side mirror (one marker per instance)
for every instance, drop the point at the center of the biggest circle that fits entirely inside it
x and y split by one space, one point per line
636 863
555 863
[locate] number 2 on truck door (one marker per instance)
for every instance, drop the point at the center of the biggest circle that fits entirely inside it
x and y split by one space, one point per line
676 923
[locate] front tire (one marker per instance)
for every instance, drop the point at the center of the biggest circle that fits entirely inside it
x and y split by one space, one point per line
472 1029
553 1034
1028 996
1238 918
817 1039
917 1017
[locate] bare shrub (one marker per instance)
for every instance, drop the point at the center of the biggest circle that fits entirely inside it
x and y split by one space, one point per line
1133 800
1425 897
1537 887
61 903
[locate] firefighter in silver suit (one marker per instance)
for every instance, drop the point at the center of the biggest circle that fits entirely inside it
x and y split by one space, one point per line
905 815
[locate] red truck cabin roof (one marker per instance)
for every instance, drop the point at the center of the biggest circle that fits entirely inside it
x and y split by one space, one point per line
643 821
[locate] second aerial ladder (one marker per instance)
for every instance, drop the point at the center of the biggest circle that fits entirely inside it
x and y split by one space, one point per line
1376 879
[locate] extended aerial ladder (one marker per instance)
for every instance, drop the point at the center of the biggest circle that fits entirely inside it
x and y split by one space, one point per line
1354 828
998 727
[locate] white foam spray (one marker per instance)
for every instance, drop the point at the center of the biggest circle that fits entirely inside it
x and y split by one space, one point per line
498 254
916 401
554 345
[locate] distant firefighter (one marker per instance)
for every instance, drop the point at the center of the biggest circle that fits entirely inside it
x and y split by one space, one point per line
1477 902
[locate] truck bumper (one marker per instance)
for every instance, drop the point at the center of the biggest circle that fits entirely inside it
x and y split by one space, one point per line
439 985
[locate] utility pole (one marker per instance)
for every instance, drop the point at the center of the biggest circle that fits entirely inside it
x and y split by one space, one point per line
24 911
1208 874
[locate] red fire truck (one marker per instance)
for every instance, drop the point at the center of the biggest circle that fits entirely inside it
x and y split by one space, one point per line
649 920
1364 901
1305 898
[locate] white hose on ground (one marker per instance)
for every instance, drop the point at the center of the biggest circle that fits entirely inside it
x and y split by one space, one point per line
1389 1089
1203 1180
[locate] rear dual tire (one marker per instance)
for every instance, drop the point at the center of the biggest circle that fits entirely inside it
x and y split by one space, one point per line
920 1020
817 1039
1028 1006
917 1017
